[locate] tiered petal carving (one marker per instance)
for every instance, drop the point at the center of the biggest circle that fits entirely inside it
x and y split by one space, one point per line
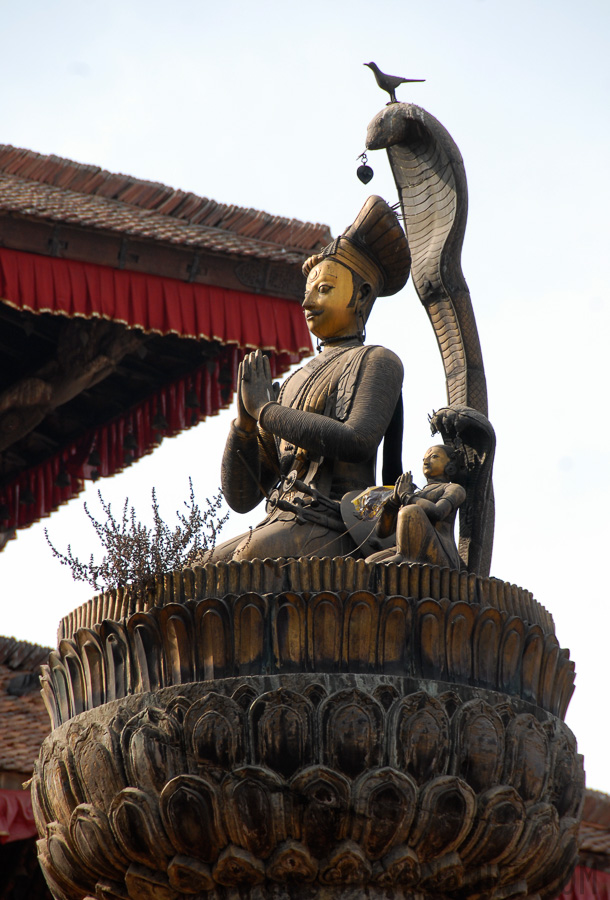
250 634
173 795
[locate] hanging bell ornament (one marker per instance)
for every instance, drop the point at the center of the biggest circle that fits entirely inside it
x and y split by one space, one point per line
63 480
364 172
94 459
26 497
159 423
192 400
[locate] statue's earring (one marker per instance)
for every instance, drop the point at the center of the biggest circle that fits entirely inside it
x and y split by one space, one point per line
451 469
361 326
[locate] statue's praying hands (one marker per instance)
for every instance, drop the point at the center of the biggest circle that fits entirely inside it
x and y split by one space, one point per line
254 389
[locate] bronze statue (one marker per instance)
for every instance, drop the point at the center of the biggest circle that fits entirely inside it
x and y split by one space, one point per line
320 433
328 729
424 519
317 438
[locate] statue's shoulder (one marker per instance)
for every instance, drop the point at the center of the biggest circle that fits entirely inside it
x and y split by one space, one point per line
455 493
376 353
362 365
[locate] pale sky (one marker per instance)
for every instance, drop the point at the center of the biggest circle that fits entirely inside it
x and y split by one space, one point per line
266 105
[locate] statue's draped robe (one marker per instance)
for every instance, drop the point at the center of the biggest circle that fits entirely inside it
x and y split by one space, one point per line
327 424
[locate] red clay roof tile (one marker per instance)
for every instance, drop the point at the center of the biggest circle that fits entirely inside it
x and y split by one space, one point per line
65 191
24 719
594 839
596 809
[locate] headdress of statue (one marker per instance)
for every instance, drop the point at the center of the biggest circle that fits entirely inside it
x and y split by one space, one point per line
374 247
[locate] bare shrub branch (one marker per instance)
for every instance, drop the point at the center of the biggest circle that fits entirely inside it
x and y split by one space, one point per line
136 554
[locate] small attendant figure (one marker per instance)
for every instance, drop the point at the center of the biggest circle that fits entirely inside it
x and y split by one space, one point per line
424 519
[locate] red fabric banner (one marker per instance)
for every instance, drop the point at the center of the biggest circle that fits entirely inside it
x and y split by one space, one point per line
587 884
164 305
238 320
16 816
103 451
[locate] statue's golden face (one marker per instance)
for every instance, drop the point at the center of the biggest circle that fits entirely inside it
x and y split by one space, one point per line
328 294
435 461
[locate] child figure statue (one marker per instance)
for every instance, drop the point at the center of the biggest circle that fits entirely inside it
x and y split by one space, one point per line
424 519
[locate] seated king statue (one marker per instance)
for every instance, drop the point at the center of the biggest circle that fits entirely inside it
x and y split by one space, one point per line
317 437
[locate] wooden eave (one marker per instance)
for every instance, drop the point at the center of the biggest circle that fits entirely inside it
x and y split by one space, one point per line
107 248
56 214
60 208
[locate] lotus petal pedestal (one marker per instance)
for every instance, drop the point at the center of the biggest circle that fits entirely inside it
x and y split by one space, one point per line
310 729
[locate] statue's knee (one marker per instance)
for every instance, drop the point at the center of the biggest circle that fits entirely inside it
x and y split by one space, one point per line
411 514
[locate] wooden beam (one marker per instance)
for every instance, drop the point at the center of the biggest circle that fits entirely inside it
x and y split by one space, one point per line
117 251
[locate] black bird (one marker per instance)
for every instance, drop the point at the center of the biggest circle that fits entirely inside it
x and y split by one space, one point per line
389 83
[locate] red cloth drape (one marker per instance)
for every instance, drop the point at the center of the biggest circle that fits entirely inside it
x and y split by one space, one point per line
163 413
16 816
237 320
587 884
163 305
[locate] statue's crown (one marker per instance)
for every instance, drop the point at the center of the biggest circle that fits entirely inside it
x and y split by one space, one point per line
374 246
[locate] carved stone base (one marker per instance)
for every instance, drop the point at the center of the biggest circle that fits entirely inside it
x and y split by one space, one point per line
451 639
309 729
309 786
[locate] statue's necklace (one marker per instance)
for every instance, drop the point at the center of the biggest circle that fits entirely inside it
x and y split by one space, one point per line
336 340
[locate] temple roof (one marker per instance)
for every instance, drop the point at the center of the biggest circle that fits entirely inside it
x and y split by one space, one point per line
595 831
61 190
125 307
23 717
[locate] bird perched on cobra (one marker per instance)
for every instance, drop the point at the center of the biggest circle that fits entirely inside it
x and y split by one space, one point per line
389 83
